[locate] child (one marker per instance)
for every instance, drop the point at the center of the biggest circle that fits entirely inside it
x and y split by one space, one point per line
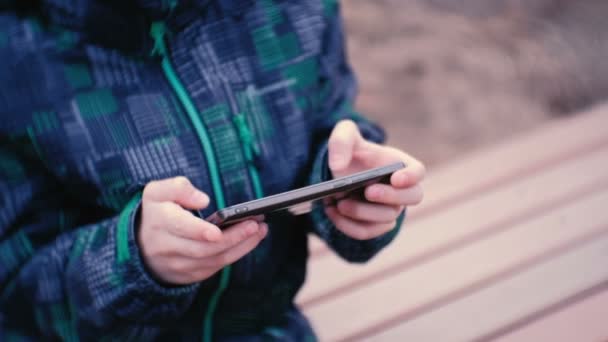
120 117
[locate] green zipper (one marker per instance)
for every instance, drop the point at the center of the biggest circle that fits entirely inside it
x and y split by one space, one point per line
249 151
158 31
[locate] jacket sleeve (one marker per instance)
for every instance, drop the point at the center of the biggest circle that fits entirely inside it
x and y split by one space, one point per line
337 93
63 279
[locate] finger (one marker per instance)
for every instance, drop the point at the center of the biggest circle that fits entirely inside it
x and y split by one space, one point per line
182 223
229 238
386 194
180 246
374 155
233 254
370 212
360 209
413 174
356 229
342 142
235 235
258 218
179 190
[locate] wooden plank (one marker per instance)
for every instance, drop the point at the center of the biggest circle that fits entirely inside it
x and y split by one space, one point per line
427 285
549 145
494 164
581 321
541 286
421 240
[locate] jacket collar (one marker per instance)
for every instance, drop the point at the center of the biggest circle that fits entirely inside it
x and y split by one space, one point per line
125 24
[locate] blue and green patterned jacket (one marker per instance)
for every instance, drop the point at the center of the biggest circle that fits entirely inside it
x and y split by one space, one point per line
99 97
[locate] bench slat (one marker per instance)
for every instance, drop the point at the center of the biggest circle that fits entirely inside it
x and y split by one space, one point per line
496 306
588 317
413 291
500 163
527 195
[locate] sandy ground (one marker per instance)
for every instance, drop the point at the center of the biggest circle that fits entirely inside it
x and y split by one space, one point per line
445 77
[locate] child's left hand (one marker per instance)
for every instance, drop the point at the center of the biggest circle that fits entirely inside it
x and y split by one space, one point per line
348 153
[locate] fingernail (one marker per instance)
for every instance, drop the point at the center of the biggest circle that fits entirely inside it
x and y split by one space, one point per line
201 197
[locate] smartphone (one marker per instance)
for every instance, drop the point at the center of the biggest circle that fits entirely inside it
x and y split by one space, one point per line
302 200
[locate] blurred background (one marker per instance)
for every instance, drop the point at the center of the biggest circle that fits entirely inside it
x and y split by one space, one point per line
446 76
504 102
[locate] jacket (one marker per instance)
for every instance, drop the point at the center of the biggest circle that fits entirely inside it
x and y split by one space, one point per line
97 98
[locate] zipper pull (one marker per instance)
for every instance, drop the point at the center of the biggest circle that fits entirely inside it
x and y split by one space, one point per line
171 4
157 32
249 148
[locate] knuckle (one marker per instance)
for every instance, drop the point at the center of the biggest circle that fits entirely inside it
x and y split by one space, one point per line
334 216
357 211
173 278
186 279
346 208
198 235
388 226
169 215
225 258
363 235
148 241
216 261
389 196
149 189
176 266
197 252
336 142
242 235
348 123
358 233
396 211
184 268
392 215
234 239
181 183
418 195
229 240
203 273
421 170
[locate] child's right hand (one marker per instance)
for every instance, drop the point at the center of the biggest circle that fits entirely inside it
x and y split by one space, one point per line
180 248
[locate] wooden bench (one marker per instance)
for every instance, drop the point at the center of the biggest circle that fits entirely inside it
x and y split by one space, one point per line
511 243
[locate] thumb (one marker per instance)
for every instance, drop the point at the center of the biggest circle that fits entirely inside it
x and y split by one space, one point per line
178 190
342 143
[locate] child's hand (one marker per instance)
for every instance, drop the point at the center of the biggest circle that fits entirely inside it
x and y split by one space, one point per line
348 153
180 248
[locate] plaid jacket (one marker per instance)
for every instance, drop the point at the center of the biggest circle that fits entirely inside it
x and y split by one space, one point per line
97 98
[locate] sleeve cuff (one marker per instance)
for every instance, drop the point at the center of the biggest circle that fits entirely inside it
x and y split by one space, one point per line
150 299
144 278
348 248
